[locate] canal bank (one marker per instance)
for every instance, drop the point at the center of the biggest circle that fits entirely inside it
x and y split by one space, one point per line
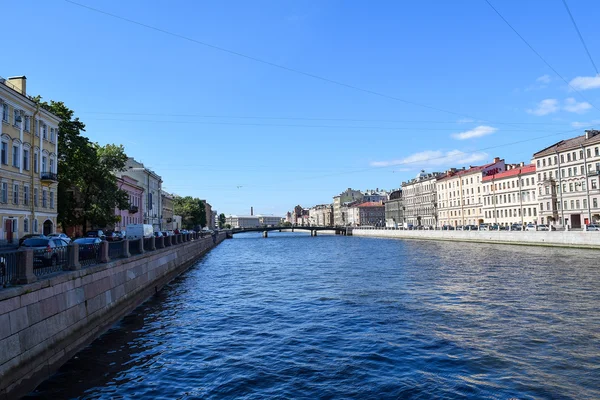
43 324
572 239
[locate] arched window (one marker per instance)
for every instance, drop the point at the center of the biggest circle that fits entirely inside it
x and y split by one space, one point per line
25 225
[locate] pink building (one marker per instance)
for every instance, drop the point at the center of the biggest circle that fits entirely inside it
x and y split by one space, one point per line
135 213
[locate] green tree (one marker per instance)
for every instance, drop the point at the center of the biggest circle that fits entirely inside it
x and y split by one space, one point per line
222 220
192 211
87 188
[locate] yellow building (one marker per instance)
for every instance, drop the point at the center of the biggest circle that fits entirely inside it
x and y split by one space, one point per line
28 164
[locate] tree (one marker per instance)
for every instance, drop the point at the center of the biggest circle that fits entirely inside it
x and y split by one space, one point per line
192 211
222 220
87 188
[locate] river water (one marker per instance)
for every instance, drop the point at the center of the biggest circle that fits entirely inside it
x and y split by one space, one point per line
294 316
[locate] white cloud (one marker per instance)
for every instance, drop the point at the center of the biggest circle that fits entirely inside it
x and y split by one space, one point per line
588 124
571 105
545 107
543 79
465 121
435 158
481 130
586 82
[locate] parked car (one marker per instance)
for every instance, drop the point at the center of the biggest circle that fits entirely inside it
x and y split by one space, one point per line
459 228
447 228
96 233
471 228
138 231
89 247
158 234
47 251
530 227
592 227
62 236
516 227
484 227
543 227
29 236
114 236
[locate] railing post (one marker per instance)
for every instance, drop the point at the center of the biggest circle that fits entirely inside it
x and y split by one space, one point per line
160 242
153 243
141 244
179 238
104 258
125 251
24 268
73 254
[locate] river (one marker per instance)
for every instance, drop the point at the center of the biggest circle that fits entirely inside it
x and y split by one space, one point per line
294 316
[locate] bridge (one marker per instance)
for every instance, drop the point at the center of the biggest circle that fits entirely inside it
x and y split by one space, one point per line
313 230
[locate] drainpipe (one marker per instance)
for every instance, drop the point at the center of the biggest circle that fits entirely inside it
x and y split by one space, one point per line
560 190
33 126
587 186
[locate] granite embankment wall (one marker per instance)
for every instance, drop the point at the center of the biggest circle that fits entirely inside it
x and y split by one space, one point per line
577 239
45 323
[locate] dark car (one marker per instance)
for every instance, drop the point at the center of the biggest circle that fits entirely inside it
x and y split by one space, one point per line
29 236
46 251
447 228
89 247
113 236
95 233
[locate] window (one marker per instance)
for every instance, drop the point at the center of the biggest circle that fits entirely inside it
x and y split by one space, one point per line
44 198
568 157
36 167
547 188
574 156
15 193
570 187
26 159
541 206
35 226
534 212
15 156
562 172
45 131
565 206
570 173
547 206
51 164
584 203
594 184
596 151
26 195
4 155
572 204
577 204
52 200
550 174
564 188
52 135
16 116
4 192
588 153
5 112
44 164
580 154
595 202
544 162
562 158
538 163
555 160
27 126
582 170
35 199
25 225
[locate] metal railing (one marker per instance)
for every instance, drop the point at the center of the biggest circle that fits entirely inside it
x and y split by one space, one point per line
8 267
50 260
115 250
89 254
147 244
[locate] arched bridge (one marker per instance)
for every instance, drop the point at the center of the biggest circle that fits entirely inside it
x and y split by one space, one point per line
313 230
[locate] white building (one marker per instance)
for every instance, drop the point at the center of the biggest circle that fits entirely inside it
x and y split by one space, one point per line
419 199
242 221
339 201
459 194
509 197
268 220
568 174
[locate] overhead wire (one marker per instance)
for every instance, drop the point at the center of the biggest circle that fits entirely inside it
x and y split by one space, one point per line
580 36
538 54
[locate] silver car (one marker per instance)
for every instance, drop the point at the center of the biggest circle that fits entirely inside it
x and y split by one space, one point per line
592 227
62 236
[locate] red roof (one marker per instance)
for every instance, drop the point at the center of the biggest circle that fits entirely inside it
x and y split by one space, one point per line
371 204
528 169
471 170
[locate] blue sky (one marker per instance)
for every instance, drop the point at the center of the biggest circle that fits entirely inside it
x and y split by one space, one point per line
241 133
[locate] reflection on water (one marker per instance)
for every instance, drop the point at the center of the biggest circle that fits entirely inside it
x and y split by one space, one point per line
294 316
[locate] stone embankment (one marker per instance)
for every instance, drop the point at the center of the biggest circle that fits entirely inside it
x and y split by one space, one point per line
576 239
44 323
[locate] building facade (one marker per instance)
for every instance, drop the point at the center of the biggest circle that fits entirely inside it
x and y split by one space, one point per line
133 215
208 211
371 214
420 199
459 194
242 221
268 220
321 215
152 185
168 207
375 196
347 196
394 210
28 164
509 197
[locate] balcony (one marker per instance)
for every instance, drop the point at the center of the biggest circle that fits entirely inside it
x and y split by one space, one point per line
133 209
49 177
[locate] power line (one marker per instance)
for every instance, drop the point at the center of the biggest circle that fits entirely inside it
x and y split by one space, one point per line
388 128
269 63
537 54
307 118
580 36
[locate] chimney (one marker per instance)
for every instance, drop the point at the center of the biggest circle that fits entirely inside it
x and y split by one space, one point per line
590 133
19 83
522 164
251 211
496 159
